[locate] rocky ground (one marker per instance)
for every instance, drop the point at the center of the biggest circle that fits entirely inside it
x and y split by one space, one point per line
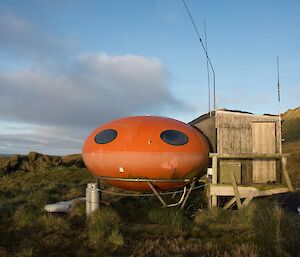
37 162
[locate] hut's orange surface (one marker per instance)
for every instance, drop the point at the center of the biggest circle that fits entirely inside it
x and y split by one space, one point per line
146 147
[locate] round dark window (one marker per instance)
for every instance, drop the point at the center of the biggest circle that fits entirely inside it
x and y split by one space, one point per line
174 137
106 136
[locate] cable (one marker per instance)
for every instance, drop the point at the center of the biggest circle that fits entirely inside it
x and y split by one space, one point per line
207 57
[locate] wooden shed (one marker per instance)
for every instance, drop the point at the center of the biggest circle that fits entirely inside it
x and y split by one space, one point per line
244 145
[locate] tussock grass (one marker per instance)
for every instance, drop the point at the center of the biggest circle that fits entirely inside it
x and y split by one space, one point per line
173 217
196 247
77 215
25 252
293 163
103 230
25 216
276 232
273 231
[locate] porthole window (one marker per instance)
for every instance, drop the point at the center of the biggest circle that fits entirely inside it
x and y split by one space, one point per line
174 137
106 136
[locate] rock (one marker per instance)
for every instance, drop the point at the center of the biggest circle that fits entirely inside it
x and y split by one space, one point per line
38 162
15 160
8 164
32 156
73 160
25 166
4 165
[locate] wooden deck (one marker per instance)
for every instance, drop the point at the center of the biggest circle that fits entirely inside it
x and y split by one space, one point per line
242 195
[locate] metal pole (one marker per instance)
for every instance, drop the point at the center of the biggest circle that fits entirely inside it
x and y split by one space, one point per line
279 112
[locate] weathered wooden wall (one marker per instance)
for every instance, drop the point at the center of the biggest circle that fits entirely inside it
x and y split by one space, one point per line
231 133
208 128
235 135
264 141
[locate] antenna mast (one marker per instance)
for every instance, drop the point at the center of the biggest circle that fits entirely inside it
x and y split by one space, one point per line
207 57
279 112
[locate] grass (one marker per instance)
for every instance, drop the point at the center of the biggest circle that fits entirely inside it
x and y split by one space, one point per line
293 161
269 228
291 125
104 230
132 226
291 145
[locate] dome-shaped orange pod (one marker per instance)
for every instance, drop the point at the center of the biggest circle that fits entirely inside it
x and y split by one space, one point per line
146 147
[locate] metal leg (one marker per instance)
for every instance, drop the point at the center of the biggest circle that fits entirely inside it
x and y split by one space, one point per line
188 194
156 193
162 200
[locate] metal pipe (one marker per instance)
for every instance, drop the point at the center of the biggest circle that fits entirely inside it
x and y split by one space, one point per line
145 179
157 194
188 194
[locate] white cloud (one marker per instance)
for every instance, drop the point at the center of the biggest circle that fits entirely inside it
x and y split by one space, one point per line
66 95
97 88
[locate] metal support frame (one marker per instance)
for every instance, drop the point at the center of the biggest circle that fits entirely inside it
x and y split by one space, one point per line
183 199
185 180
188 194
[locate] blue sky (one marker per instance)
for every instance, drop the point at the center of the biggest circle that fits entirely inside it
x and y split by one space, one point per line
68 66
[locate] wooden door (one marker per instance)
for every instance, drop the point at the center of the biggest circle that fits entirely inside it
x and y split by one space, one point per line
264 141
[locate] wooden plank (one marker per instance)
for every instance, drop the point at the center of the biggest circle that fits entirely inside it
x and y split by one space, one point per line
215 170
286 174
236 191
229 204
248 156
247 201
214 199
244 191
264 141
208 198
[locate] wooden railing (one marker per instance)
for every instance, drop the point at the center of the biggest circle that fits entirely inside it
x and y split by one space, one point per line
216 156
282 157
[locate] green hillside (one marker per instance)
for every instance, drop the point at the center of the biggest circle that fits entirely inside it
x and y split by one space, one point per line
291 125
291 145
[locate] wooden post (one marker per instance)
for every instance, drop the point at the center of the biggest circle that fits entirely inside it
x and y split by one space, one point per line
286 174
247 200
214 198
236 191
208 198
